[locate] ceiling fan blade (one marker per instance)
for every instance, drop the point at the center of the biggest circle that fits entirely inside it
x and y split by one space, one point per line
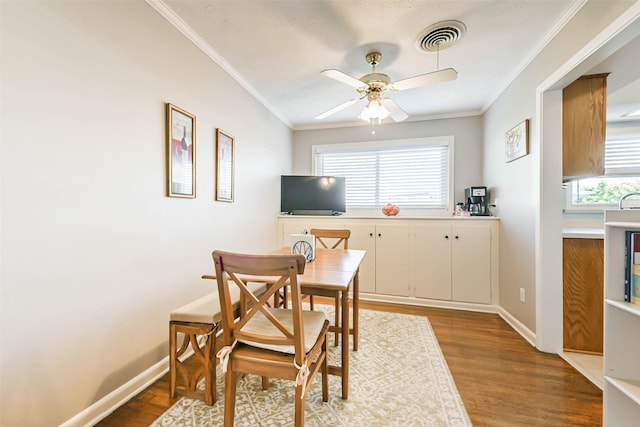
344 78
337 108
396 113
426 79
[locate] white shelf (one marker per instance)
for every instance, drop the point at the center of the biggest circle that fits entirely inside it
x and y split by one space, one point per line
624 305
621 321
629 388
629 225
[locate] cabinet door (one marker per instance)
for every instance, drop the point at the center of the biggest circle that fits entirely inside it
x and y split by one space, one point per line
433 262
584 122
582 295
392 259
363 237
471 264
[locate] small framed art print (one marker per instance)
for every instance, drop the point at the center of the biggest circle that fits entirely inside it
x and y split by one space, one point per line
181 152
225 156
517 141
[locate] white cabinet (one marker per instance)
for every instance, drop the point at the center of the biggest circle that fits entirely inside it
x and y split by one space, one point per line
304 226
453 263
386 266
621 404
363 236
433 262
417 260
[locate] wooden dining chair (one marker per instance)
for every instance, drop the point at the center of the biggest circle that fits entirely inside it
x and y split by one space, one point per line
331 239
286 343
339 237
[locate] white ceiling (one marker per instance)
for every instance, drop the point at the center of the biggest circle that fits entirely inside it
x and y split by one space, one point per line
277 49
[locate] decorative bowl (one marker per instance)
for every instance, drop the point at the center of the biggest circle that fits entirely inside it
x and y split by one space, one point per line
390 209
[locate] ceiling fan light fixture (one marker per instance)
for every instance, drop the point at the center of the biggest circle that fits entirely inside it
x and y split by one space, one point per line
374 110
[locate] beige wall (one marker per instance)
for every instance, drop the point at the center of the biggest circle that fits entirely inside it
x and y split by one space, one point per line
93 255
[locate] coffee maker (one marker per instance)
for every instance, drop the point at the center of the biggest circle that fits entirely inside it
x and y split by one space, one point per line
476 201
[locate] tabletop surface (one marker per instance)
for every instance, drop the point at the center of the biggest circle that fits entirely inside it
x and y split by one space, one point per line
332 268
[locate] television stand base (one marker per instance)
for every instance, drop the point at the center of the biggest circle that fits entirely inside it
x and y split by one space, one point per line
316 212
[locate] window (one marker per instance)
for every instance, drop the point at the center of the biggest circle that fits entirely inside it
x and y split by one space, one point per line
622 176
602 191
414 174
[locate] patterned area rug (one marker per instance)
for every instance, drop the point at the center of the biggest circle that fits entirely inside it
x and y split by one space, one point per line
398 377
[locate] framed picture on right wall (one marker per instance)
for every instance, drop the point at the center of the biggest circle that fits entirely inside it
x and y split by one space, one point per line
516 141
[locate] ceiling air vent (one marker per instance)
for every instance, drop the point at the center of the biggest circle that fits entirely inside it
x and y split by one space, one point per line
440 36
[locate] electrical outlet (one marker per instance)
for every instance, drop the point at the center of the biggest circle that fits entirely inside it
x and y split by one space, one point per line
522 295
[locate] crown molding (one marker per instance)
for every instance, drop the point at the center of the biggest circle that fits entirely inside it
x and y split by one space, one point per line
205 47
553 31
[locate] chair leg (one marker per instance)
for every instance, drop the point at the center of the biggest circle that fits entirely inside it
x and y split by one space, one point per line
210 369
324 370
280 298
311 301
173 338
299 416
231 380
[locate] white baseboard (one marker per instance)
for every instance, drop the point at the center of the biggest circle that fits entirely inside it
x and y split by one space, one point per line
112 401
424 302
517 326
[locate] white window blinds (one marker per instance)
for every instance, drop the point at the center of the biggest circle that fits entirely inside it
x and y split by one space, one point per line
622 155
411 175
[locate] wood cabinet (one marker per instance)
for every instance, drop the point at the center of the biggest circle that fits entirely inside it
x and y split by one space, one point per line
621 402
583 295
419 261
453 262
584 120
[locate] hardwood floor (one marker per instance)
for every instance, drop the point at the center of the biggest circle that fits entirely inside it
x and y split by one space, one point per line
502 379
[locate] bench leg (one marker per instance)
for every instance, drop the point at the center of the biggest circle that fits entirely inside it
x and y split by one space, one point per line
206 356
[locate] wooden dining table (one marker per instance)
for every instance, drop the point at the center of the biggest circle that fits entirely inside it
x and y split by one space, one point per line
331 274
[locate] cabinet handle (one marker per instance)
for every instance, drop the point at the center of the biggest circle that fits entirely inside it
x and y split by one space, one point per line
379 234
370 234
457 237
446 236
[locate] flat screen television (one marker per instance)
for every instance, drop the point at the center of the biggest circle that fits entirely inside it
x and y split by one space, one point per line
312 195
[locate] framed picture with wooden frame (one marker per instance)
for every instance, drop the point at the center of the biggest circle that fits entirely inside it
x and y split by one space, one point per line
516 141
225 159
181 152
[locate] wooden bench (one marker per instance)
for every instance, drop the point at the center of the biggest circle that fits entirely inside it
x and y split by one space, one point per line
198 322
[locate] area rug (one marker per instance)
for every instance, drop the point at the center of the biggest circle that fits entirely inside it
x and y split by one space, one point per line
398 377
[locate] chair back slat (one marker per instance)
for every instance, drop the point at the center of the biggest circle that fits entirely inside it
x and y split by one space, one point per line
342 236
278 271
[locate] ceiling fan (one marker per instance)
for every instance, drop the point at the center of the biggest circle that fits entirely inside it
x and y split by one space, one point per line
374 86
